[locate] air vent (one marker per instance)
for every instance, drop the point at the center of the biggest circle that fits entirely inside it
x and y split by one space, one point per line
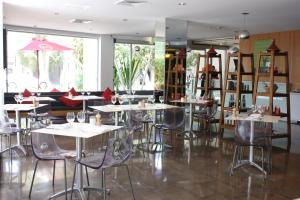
81 21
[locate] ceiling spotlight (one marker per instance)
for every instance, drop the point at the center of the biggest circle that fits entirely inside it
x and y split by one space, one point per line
244 34
181 3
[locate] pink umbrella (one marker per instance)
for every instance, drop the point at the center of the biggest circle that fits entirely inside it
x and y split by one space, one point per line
38 44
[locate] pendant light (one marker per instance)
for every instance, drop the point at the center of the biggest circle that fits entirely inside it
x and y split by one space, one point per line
244 34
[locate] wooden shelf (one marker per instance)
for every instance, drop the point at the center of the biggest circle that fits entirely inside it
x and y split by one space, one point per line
270 77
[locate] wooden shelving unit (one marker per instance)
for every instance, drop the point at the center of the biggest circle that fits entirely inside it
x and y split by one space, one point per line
176 78
207 88
278 61
237 88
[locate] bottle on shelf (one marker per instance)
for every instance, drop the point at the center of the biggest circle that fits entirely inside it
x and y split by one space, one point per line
231 101
244 101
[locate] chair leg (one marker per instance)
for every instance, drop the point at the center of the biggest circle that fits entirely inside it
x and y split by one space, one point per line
73 181
130 181
65 173
233 160
36 163
53 176
103 184
87 176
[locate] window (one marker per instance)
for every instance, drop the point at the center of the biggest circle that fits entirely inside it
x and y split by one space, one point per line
72 63
134 67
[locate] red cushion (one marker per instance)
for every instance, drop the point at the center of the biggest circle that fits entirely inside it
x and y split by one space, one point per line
107 94
27 93
54 90
70 102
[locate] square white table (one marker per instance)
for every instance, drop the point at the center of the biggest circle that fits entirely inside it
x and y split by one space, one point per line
252 119
18 108
135 107
84 98
192 102
79 131
38 98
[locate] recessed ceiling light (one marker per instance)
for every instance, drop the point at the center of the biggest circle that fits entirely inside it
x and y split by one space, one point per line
125 20
56 13
81 21
181 3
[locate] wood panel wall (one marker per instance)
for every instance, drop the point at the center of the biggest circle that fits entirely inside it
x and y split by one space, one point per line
286 41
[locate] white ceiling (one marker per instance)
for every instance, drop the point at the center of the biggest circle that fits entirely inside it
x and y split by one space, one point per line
207 19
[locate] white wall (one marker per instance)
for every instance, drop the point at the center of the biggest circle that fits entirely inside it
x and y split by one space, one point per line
106 62
2 72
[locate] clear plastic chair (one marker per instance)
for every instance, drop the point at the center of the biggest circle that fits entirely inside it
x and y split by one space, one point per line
44 148
262 139
208 115
173 120
118 151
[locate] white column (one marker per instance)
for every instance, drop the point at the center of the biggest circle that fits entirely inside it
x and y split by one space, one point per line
2 71
106 62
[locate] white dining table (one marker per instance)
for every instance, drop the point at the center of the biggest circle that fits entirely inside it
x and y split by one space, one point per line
84 99
78 131
253 118
135 96
191 102
39 98
17 108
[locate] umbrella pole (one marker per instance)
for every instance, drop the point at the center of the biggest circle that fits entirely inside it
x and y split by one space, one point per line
38 68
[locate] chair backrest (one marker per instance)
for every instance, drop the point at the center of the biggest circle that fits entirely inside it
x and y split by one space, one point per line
174 118
42 144
262 133
135 120
118 149
212 110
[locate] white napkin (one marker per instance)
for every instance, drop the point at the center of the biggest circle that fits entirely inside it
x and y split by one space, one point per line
254 116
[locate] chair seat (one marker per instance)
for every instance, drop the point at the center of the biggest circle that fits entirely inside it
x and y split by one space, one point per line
56 155
9 130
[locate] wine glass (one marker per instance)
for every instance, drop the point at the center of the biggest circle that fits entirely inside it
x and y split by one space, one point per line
70 117
21 98
113 99
81 117
82 93
16 97
161 99
121 100
88 93
153 100
33 94
133 92
38 94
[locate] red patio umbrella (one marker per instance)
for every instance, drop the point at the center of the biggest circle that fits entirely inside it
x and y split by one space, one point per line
38 44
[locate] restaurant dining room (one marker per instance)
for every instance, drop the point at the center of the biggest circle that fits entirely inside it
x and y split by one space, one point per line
149 100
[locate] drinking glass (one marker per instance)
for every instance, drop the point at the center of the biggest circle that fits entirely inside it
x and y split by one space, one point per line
38 94
33 94
70 117
133 92
21 98
81 117
82 93
88 93
161 99
153 100
121 100
113 99
16 97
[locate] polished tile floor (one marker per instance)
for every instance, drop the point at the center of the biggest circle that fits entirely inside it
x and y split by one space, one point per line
190 171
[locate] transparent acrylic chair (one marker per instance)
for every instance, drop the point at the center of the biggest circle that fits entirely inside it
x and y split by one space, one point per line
261 140
173 120
208 115
118 151
44 148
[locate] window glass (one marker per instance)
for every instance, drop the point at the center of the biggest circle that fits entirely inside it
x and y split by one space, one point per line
134 67
69 62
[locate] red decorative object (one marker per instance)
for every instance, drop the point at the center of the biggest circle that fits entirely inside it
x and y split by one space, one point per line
69 102
107 94
212 52
273 47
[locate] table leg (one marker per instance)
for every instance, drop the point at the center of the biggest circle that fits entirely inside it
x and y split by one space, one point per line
251 141
18 122
83 105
